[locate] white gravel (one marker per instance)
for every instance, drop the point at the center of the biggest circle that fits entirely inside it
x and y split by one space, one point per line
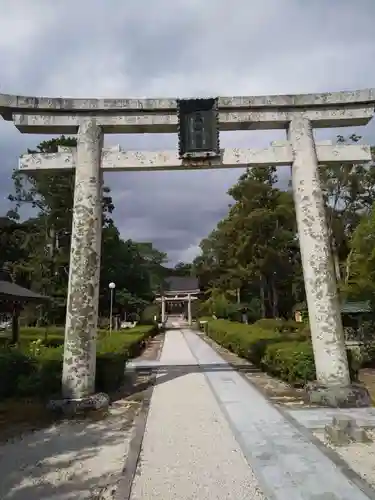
72 460
189 451
359 456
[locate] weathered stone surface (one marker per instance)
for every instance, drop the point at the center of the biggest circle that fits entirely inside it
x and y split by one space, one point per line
318 418
320 283
71 407
162 122
343 422
343 430
83 292
16 102
115 158
359 435
338 396
336 436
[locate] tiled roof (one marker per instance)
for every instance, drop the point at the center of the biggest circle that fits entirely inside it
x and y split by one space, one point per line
181 283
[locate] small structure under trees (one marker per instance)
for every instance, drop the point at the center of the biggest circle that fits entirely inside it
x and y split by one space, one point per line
354 314
12 300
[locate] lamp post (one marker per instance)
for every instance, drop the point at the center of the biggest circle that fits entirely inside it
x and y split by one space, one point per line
112 286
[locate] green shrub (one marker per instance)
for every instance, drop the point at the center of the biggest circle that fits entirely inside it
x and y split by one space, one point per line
247 341
284 353
14 364
282 326
114 350
37 372
290 361
270 324
50 337
45 380
148 314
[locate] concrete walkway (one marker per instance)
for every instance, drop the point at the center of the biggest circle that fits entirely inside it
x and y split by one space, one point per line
212 435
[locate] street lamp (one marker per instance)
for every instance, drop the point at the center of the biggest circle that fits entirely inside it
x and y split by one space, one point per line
112 286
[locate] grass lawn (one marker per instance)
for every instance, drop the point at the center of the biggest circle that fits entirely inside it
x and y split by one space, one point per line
29 334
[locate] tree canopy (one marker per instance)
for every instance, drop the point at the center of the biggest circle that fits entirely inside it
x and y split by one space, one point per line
35 249
255 248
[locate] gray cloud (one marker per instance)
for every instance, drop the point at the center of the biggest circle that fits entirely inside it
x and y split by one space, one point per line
178 48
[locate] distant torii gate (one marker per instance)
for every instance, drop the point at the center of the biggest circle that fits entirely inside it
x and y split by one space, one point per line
198 122
177 289
182 298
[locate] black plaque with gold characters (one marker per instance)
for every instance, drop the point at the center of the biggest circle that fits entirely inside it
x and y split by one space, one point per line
198 128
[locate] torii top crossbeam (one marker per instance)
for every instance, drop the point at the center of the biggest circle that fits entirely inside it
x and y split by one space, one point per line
62 115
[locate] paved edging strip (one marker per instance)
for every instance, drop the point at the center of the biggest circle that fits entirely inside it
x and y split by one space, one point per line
353 476
125 484
286 462
362 484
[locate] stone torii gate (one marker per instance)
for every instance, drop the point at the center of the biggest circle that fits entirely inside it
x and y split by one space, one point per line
198 122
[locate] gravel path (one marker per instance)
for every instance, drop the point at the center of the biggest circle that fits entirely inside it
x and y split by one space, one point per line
189 451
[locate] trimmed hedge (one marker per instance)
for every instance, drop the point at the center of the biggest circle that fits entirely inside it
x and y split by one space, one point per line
291 328
38 372
14 365
50 337
283 351
290 361
247 341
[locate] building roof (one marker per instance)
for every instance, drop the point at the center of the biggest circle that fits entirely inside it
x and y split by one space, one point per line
11 291
350 307
181 283
356 307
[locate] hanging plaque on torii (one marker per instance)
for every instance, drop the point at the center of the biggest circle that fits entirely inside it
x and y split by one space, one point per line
198 128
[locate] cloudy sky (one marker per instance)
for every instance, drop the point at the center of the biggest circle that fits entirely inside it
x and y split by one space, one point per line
178 48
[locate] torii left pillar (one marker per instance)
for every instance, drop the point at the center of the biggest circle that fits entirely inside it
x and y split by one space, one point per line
78 379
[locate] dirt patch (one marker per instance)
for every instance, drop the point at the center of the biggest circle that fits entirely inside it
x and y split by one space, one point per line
279 392
19 416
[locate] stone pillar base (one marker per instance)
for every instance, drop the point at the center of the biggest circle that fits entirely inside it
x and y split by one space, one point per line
337 396
71 407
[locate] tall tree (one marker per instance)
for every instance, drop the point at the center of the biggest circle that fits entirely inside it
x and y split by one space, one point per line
361 260
49 196
43 241
254 248
183 269
349 192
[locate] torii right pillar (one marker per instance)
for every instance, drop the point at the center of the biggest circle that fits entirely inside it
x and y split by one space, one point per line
333 386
